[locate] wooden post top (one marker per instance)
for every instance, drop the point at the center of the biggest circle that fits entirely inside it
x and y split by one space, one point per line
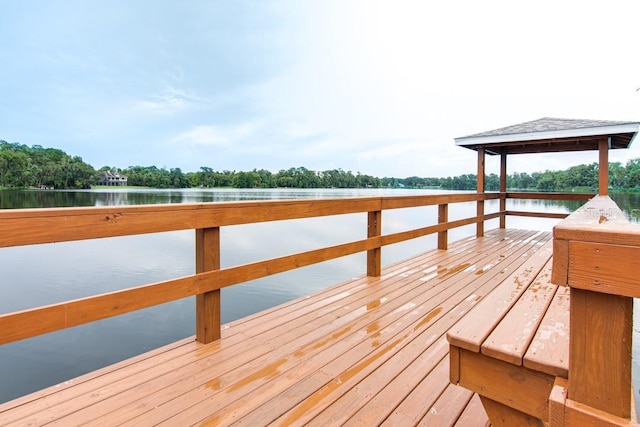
600 220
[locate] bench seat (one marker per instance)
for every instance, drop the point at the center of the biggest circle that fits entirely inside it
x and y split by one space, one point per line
511 347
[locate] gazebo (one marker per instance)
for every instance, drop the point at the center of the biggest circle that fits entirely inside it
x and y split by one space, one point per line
593 253
547 135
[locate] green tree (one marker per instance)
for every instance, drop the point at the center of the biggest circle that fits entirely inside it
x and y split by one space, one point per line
177 178
617 175
547 182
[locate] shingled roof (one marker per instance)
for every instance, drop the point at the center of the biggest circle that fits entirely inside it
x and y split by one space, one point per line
551 135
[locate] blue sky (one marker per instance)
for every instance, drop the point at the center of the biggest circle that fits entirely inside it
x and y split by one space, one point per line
377 87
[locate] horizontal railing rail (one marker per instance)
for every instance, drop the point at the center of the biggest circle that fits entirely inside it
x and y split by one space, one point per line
544 196
35 226
549 196
39 226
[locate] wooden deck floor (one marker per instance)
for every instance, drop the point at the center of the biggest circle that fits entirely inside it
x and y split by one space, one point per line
371 351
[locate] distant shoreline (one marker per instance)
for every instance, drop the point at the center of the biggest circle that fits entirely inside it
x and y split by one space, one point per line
137 187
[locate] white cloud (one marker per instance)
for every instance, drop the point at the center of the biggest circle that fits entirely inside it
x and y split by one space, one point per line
204 135
382 87
159 105
404 148
218 136
169 101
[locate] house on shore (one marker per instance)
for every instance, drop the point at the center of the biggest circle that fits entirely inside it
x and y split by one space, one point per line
112 179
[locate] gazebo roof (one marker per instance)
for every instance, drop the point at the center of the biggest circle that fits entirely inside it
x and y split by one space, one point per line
552 135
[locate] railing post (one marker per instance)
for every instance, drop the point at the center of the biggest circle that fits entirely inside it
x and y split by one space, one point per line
443 217
208 303
374 256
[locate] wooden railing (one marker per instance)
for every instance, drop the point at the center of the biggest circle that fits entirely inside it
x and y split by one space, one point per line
596 250
38 226
29 227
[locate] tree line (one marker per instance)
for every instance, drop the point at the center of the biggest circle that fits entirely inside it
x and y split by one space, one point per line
25 167
37 167
577 178
582 178
206 177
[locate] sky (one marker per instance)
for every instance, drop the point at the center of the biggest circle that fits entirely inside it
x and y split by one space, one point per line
376 87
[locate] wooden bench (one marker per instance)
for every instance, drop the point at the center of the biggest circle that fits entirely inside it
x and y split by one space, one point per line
514 344
537 353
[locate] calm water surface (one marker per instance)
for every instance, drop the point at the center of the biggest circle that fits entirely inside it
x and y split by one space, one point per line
44 274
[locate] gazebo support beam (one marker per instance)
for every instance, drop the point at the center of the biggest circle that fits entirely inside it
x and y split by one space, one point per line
603 167
480 206
503 189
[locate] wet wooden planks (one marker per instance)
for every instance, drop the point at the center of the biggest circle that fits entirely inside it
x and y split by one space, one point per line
371 351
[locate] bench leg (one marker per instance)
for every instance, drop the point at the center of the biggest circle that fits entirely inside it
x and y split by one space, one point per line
503 416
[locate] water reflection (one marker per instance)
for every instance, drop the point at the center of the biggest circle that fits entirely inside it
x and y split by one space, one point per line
15 199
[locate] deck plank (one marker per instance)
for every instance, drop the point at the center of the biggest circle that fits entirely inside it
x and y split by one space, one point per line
366 325
420 399
380 406
511 338
121 377
390 370
471 331
442 412
310 336
365 352
474 414
550 354
310 404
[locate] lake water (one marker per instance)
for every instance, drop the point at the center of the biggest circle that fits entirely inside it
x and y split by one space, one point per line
43 274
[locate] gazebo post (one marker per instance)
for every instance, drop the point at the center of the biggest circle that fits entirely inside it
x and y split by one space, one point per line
603 167
503 189
480 205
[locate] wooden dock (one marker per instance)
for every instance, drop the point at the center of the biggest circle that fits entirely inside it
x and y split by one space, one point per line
374 350
371 351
